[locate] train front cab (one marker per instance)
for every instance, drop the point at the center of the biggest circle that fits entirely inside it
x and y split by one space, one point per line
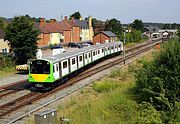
40 72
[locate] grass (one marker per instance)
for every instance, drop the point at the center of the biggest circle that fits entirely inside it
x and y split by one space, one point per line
7 71
108 101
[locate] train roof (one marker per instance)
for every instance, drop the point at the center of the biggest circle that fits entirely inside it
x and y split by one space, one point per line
66 55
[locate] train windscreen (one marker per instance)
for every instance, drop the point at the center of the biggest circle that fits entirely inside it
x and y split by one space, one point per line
39 67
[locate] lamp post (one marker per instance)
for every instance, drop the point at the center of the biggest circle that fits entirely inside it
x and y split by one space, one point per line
124 41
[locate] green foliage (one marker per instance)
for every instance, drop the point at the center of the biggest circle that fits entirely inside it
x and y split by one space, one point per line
104 86
159 81
170 26
138 25
178 33
6 61
115 26
2 23
133 36
22 38
148 114
76 15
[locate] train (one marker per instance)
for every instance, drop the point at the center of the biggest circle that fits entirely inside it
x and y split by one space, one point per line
52 70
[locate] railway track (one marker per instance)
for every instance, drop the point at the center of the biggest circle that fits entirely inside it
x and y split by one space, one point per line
11 88
35 96
5 92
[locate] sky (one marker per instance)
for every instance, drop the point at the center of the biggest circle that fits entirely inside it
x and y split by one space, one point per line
126 11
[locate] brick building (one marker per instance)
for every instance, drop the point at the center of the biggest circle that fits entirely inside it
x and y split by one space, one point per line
104 36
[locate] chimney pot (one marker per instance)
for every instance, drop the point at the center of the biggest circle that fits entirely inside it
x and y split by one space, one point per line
65 17
42 21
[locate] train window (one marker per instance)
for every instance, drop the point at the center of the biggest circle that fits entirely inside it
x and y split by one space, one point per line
119 46
73 61
56 67
80 58
98 51
39 67
94 53
65 64
112 47
108 48
89 55
85 56
102 50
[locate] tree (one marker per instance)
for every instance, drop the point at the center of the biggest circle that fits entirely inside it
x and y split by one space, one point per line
159 81
22 38
138 25
2 23
178 32
115 26
76 15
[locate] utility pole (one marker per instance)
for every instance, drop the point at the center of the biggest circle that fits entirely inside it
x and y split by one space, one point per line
124 44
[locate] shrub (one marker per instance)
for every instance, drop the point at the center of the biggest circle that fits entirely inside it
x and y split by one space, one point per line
6 61
159 81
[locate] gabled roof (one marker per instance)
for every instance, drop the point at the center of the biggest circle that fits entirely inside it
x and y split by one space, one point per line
70 24
2 34
83 23
108 33
56 27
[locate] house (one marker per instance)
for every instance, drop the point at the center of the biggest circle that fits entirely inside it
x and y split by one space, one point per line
75 30
104 36
4 47
86 29
50 33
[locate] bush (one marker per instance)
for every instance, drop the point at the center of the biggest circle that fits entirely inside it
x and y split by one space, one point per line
6 61
159 81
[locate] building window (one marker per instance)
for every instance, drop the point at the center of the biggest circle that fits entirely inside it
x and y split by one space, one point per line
4 50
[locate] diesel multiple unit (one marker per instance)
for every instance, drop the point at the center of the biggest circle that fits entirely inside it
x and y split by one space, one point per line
50 70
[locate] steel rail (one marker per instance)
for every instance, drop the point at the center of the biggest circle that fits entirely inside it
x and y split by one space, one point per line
38 96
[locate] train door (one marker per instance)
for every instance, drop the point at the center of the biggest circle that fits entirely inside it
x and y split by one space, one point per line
106 51
94 55
115 48
86 58
73 64
98 54
102 52
56 70
89 58
119 47
80 61
109 50
64 67
112 49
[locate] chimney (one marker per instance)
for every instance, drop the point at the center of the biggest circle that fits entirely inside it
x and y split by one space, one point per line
73 20
80 19
52 20
90 21
42 21
65 17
